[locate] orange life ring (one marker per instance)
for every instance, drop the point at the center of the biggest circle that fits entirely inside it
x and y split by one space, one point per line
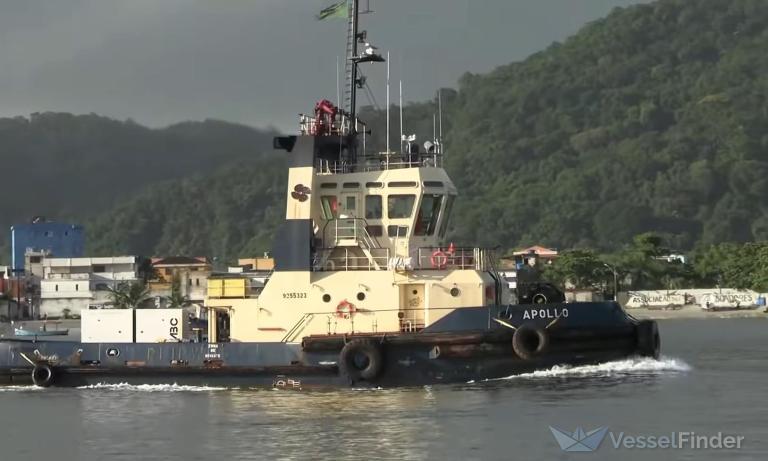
345 310
439 259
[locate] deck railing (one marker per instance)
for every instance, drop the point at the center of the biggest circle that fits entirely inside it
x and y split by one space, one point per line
447 258
350 259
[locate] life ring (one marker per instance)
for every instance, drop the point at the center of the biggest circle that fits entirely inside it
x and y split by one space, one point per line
42 375
361 360
648 339
345 310
439 260
529 341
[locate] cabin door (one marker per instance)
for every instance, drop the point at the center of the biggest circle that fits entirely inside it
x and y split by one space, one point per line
412 307
350 205
349 209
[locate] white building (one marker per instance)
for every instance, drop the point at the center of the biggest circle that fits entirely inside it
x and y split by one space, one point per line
76 283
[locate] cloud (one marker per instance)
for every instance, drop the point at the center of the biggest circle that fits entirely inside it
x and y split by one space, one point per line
255 61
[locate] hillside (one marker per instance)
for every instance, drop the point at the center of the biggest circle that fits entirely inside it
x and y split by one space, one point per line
651 119
230 212
72 167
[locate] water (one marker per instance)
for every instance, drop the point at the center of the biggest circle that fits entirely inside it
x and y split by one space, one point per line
712 378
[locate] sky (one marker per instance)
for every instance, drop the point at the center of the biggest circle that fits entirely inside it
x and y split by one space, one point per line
258 62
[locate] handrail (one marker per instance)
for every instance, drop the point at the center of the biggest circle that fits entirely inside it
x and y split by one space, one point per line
455 258
382 162
347 261
358 230
298 328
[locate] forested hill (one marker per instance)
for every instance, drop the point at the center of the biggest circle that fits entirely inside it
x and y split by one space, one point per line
72 167
653 118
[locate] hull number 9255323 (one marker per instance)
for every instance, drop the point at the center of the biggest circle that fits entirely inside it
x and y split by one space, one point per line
294 295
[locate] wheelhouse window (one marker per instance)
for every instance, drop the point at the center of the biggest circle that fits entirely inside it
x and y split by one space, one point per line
330 206
373 207
426 221
446 215
375 230
400 206
350 204
397 231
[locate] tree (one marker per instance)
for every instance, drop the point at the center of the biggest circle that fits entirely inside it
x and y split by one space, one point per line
177 300
579 268
129 295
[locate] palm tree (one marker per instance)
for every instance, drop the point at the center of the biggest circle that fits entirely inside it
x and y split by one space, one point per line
177 300
129 295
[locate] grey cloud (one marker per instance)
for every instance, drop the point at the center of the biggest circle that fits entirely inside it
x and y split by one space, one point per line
258 62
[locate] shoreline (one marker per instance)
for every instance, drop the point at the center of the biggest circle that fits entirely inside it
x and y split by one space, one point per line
694 312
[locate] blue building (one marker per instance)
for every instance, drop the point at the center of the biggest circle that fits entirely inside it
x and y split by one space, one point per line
60 239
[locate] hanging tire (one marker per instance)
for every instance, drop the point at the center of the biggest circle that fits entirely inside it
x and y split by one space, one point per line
529 341
648 339
42 375
361 360
539 298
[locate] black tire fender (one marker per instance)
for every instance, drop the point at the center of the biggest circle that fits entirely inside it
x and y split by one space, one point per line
539 298
529 341
372 357
42 375
648 339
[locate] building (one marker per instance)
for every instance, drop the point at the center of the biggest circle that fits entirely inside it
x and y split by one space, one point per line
60 240
191 274
33 262
527 257
257 264
534 255
77 283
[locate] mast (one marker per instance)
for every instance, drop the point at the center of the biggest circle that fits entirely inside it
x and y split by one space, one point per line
352 58
387 104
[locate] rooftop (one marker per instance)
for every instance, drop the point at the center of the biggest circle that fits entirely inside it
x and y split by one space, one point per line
180 261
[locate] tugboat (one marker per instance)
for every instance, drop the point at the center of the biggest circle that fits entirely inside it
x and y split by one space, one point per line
365 291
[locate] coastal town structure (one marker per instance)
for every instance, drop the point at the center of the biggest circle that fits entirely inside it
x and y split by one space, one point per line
525 257
188 274
58 239
70 285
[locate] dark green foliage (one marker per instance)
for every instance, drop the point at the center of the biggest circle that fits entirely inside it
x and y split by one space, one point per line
734 265
230 212
129 295
71 167
579 268
652 119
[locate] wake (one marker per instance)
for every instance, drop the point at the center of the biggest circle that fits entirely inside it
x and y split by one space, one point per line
627 367
152 388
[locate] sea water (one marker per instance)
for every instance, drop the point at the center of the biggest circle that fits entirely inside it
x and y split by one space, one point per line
711 379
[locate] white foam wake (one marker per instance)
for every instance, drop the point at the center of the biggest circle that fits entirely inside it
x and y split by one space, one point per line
19 388
626 367
152 387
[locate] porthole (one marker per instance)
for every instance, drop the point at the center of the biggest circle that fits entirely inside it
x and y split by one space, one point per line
455 292
326 298
360 296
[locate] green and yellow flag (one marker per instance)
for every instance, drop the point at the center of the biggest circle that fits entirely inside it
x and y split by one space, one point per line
337 10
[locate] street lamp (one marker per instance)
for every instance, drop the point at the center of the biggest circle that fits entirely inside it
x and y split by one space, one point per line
615 281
